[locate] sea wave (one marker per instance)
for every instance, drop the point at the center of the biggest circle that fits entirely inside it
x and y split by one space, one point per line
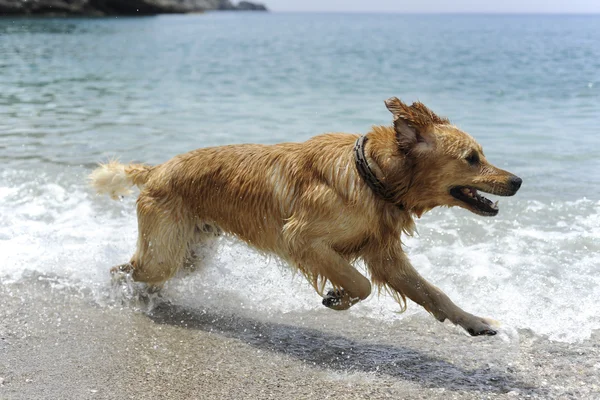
534 266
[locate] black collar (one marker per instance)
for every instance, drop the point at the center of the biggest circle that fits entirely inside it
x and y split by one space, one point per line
366 173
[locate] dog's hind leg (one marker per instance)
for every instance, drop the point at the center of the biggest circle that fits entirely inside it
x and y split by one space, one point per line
164 235
393 269
320 260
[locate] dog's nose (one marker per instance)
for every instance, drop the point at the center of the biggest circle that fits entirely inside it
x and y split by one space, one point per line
515 182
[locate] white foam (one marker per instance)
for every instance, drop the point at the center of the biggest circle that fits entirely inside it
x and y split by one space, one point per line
534 266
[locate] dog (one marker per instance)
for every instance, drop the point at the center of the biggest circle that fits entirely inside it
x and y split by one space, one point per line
319 205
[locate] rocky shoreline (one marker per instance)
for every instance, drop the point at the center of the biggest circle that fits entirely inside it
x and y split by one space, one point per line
119 7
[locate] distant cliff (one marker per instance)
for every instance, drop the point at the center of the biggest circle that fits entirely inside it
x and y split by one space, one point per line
119 7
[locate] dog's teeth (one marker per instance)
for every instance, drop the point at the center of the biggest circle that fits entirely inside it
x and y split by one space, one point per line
496 204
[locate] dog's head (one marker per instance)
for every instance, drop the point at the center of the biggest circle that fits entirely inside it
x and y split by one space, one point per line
448 166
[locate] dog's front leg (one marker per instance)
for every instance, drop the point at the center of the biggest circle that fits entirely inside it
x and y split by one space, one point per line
394 270
350 286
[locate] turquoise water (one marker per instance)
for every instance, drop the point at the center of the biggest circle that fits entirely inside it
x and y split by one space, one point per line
77 91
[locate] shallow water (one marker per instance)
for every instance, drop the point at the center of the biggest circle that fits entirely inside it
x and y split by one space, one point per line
77 91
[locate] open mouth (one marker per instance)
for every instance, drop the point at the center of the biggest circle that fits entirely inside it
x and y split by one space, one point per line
475 202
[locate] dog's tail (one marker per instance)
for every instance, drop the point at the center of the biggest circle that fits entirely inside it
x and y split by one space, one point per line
117 179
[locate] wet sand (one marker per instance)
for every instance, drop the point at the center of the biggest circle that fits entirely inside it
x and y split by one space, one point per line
58 342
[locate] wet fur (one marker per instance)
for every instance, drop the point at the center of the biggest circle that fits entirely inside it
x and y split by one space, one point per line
306 203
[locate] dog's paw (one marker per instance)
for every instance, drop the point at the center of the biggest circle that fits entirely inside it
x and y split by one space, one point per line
338 299
481 326
126 268
333 299
126 291
480 332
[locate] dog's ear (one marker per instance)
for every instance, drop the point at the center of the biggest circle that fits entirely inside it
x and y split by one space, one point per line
406 132
412 123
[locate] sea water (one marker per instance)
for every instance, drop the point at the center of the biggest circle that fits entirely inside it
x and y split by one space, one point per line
77 91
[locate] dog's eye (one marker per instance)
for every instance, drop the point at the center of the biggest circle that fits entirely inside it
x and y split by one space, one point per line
473 159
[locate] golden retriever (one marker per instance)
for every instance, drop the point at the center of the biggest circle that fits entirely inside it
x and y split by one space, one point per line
320 205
